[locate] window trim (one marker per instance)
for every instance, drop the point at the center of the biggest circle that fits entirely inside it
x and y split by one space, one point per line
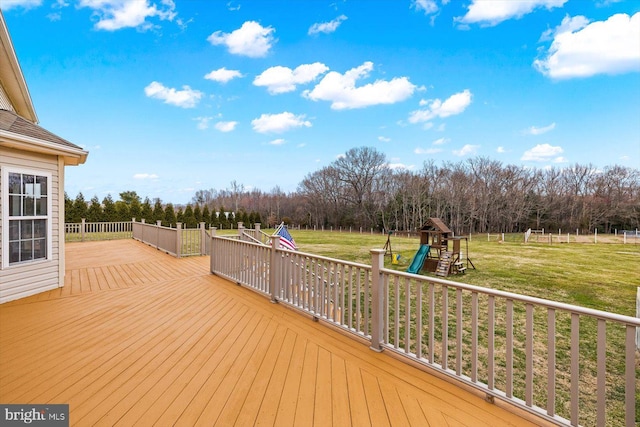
6 170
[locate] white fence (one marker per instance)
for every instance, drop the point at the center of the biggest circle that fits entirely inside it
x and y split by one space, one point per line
567 364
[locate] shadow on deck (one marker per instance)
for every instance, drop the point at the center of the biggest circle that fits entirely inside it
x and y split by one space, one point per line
137 337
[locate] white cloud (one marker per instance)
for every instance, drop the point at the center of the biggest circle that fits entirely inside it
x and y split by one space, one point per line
427 150
145 176
203 122
225 126
341 90
539 130
453 105
185 98
428 6
396 166
542 153
384 139
501 150
222 75
252 40
280 79
278 141
490 13
327 27
27 4
466 150
583 50
441 141
568 24
116 14
278 123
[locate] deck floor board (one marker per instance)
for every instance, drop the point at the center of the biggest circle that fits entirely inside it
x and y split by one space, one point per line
138 337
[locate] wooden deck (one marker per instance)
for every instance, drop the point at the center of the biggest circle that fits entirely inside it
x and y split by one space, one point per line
137 337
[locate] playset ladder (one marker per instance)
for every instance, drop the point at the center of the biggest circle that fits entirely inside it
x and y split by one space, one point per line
444 263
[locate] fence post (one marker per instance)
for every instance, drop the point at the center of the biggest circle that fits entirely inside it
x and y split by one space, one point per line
178 239
212 261
377 298
240 230
203 239
82 231
274 285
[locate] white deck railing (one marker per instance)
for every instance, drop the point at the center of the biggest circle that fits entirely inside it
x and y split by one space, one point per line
567 364
91 231
179 242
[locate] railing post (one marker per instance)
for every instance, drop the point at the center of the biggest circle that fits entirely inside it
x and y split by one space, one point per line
377 298
240 230
178 239
82 230
212 262
274 285
203 239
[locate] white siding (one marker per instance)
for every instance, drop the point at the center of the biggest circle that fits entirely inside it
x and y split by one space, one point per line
5 104
22 280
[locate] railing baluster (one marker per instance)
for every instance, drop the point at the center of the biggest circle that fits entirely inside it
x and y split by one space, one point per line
367 295
491 361
575 368
551 362
396 317
418 320
432 316
474 336
529 355
602 372
445 327
630 376
407 316
509 355
459 322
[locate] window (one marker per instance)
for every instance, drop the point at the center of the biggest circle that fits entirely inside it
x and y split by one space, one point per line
27 219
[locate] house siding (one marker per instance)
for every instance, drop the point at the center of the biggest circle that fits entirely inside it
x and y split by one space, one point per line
5 104
27 279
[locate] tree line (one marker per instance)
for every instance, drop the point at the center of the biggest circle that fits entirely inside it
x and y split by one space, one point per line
360 189
131 206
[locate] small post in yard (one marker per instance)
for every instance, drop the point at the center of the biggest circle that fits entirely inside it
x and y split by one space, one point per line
595 236
274 286
377 299
82 231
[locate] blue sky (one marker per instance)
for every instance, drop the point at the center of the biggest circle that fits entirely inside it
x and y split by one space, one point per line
170 97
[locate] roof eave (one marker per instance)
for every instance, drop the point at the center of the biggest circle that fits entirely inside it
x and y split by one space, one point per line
12 78
72 156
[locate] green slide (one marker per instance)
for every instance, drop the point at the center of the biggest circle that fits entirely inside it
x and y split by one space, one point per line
418 259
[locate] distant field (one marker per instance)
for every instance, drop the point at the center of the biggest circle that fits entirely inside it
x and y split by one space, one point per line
603 276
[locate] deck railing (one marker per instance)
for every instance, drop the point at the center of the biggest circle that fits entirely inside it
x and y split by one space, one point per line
567 364
179 242
90 231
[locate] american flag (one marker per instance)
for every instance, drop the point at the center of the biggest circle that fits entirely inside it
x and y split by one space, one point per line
286 241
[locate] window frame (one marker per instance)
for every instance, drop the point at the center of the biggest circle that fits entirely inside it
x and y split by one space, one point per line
6 218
